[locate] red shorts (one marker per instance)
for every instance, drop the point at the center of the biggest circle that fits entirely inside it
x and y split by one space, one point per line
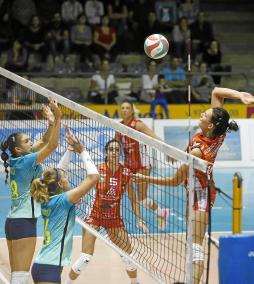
105 223
201 200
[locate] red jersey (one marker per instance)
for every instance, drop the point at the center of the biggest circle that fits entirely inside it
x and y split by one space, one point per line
109 191
135 155
209 149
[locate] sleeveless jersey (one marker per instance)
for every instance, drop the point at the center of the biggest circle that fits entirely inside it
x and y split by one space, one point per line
22 172
134 153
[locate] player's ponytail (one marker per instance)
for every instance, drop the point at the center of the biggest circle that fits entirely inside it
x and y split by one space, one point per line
233 125
5 157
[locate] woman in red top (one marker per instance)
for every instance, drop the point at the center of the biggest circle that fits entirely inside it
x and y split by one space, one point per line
104 38
214 123
137 160
115 180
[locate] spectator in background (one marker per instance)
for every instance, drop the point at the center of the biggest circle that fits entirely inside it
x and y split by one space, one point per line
17 57
22 12
105 39
58 37
166 12
47 9
161 94
176 79
102 88
149 83
5 24
181 35
151 26
94 11
82 39
201 34
202 85
212 57
35 38
189 9
70 10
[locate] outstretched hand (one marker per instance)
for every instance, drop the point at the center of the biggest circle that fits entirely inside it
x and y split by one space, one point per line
48 114
73 141
142 226
139 178
55 108
247 98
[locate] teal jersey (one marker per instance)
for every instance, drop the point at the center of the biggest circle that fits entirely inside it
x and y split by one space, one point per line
56 213
22 172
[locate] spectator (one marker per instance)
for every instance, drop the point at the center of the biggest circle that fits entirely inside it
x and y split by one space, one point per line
5 30
22 12
202 84
181 35
17 57
160 99
58 37
151 26
212 57
70 10
166 12
94 11
105 39
189 9
102 88
82 39
35 38
201 34
149 83
117 11
47 9
176 79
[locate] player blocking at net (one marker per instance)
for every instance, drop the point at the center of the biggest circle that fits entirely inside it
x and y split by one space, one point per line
20 225
115 180
214 124
137 160
58 211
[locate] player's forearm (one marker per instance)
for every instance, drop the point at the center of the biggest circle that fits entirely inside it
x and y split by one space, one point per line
226 93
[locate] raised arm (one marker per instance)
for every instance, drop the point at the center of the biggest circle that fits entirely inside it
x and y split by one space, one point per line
140 126
219 94
52 143
90 181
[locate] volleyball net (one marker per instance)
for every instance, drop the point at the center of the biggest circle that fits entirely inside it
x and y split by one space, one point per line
161 245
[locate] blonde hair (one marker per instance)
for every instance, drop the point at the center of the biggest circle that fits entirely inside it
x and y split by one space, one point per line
40 190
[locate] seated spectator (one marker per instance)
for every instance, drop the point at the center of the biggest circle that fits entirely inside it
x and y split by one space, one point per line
201 34
202 84
58 37
105 39
47 9
176 79
189 9
94 11
82 39
35 38
160 99
17 57
151 25
212 57
117 11
70 10
149 83
102 88
181 35
5 24
166 12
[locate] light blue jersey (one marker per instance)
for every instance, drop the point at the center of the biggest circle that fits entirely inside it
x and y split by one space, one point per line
22 171
55 214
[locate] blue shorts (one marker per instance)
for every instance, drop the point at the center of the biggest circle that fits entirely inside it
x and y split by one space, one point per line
46 273
20 228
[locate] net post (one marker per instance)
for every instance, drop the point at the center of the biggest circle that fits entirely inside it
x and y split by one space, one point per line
189 268
237 203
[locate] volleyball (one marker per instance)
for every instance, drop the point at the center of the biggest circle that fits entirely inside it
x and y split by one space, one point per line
156 46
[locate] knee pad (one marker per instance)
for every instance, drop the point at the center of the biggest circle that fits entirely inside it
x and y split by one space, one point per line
81 263
197 252
19 277
147 202
128 265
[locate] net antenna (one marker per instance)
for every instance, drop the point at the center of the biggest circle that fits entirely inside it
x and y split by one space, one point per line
161 252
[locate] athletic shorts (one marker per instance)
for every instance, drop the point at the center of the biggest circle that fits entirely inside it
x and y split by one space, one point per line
20 228
105 223
46 273
201 200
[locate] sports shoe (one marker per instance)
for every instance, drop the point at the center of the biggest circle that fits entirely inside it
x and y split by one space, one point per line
163 218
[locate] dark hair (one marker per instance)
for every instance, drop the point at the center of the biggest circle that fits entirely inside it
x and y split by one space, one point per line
107 145
220 119
10 144
161 76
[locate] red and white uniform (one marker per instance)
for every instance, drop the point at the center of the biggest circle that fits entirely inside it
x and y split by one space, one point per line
109 191
135 154
209 149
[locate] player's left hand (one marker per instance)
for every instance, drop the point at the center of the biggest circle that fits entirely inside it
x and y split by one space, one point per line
48 114
142 226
